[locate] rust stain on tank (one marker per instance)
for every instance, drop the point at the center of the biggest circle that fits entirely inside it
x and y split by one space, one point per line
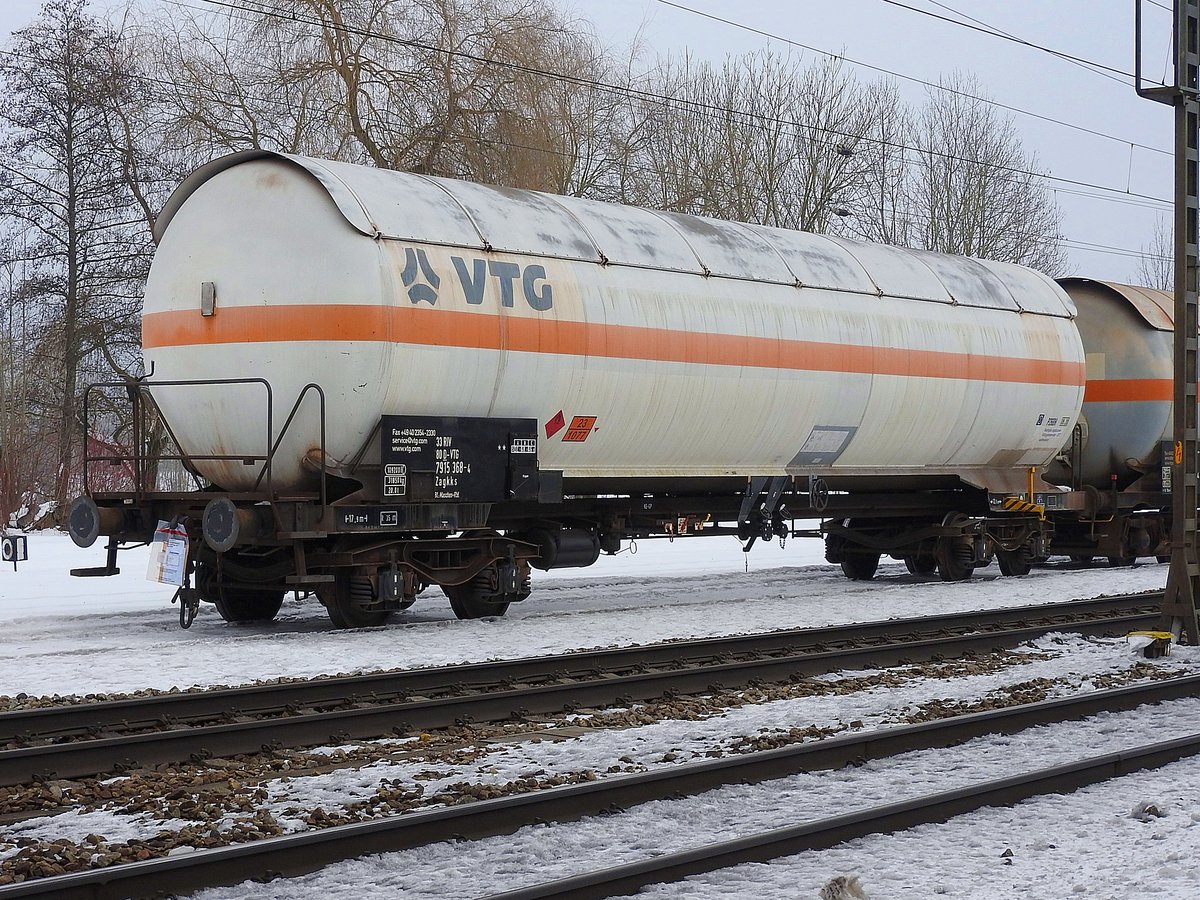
270 180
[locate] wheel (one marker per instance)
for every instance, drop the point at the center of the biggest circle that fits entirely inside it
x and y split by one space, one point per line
921 564
857 565
349 601
1121 562
244 605
955 555
470 601
834 544
1083 559
1015 562
952 560
860 566
490 592
237 604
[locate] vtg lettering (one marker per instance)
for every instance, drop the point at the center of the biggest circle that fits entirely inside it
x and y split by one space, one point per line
474 273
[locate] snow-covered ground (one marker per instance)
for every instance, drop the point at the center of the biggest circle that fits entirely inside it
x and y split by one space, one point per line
83 635
63 635
1086 844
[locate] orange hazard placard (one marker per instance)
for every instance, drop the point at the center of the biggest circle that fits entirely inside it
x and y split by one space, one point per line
580 428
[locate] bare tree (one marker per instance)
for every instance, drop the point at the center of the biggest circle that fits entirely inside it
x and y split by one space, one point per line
1156 266
27 437
466 88
566 135
64 191
762 139
973 189
882 208
835 171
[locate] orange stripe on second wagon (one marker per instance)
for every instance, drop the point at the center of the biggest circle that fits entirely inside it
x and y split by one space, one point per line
1125 390
449 328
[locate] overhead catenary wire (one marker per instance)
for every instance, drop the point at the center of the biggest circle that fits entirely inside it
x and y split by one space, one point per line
1086 66
1113 251
257 9
1117 195
1099 67
774 36
1156 204
216 96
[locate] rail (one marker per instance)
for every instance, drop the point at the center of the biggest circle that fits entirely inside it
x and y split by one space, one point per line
297 854
825 833
87 739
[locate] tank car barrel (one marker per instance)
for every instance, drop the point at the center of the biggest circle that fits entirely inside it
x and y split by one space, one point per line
467 382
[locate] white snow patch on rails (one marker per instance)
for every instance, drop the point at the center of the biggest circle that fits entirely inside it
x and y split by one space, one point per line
907 865
83 635
1074 659
77 825
1088 844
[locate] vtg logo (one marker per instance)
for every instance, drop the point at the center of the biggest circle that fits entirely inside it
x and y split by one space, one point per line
426 289
422 282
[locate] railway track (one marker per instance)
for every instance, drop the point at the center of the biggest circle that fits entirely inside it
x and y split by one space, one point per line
114 736
307 851
824 833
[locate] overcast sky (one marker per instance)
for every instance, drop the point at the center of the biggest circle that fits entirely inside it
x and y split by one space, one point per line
887 35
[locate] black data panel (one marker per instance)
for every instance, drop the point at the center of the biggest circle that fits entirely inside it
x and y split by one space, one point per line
466 460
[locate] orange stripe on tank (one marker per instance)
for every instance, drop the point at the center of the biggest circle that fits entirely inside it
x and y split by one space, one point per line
1124 390
254 324
449 328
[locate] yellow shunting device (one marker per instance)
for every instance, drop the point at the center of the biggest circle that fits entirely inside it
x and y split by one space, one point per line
1020 504
1160 643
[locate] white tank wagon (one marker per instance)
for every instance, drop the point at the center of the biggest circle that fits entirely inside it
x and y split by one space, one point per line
1118 458
655 371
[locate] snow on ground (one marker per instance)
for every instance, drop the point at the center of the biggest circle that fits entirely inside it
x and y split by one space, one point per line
74 636
1087 844
1077 661
675 742
83 635
1058 842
